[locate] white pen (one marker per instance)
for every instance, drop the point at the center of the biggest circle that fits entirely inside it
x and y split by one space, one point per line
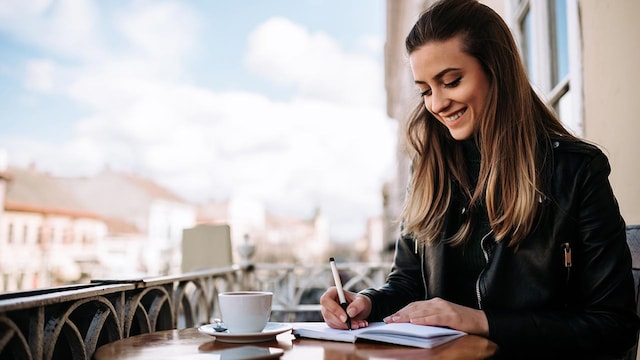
336 279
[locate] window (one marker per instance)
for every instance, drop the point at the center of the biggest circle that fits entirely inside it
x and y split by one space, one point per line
10 234
548 35
25 234
67 235
20 281
5 282
40 237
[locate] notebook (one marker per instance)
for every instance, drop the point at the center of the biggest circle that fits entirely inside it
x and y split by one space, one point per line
406 334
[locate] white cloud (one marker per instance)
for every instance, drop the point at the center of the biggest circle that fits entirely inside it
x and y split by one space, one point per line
14 9
330 146
373 44
66 28
286 52
159 33
39 75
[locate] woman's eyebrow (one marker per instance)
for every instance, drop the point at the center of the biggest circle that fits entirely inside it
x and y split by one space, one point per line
438 76
444 72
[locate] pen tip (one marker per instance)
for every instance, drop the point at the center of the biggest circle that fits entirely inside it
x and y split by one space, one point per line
331 259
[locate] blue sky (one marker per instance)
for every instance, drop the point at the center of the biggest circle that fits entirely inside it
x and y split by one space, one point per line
278 101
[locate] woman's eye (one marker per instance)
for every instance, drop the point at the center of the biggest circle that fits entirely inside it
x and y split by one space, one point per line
447 85
453 83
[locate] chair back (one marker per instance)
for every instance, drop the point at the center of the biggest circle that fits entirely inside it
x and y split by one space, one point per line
633 239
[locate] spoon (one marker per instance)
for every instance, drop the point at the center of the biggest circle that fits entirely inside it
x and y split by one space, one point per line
219 326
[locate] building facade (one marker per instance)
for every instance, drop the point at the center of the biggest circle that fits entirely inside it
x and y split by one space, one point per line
46 238
56 231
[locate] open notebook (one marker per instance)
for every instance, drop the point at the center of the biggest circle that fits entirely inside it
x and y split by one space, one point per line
396 333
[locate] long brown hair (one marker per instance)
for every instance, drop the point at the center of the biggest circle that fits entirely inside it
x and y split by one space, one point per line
513 134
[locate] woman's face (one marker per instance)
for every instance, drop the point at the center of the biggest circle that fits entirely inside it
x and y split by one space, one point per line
453 85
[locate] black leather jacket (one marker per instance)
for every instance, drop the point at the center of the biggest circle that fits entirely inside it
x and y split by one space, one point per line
533 299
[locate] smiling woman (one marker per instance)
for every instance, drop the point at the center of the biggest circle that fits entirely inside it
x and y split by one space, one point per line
510 228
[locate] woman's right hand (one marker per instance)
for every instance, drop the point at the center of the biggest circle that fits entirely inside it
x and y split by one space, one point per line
359 308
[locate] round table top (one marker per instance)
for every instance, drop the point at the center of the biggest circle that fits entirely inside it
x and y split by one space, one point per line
191 344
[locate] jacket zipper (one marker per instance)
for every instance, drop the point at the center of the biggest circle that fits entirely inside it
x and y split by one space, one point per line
486 258
566 248
422 269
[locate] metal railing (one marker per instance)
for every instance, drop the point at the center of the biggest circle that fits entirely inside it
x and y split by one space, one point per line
71 322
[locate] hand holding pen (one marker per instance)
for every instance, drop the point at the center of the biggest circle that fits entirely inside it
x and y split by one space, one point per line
343 300
335 315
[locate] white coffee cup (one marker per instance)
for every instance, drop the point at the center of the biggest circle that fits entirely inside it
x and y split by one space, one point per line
245 312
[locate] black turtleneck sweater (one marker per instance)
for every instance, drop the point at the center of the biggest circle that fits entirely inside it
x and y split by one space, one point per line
466 261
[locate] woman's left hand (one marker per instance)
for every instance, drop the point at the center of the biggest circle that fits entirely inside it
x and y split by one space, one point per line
439 312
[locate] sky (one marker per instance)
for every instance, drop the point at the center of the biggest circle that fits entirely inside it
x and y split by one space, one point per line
281 102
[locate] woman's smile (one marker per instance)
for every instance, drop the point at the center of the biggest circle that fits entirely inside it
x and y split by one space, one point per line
455 116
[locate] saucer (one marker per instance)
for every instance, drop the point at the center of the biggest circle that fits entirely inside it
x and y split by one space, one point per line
269 333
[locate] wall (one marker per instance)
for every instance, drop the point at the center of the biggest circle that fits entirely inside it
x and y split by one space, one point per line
611 35
402 96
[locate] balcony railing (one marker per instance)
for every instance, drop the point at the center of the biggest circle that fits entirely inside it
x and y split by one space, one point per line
71 322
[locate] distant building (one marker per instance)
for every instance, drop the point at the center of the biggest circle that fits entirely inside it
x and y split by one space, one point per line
276 237
61 230
46 237
375 250
307 241
145 222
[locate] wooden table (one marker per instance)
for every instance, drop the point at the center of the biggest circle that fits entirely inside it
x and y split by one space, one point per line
190 344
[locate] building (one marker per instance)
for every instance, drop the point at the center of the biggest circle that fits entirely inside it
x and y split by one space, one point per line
56 231
581 57
277 238
145 222
46 237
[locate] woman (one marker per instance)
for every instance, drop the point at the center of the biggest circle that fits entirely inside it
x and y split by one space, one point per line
510 227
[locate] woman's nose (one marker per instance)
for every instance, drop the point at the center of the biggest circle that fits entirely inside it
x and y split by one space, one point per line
439 102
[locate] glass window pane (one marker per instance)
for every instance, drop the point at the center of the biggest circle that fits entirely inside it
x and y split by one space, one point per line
563 108
561 52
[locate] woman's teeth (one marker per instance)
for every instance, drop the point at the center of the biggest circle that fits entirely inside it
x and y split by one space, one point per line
454 117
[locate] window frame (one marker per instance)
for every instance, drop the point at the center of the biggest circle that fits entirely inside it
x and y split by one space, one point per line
542 40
